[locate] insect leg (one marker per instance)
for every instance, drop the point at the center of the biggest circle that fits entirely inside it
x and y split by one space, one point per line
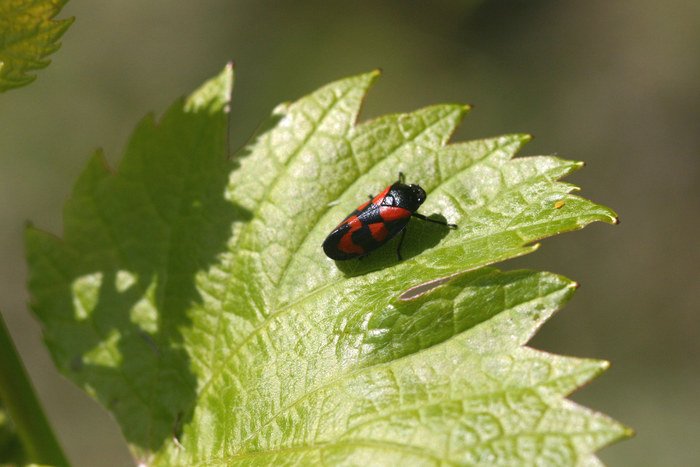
423 218
398 248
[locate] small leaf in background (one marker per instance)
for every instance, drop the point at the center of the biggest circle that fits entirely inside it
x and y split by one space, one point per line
27 35
191 296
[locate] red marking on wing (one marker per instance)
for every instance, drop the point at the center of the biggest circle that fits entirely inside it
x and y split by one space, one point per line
353 222
379 231
380 197
346 244
392 213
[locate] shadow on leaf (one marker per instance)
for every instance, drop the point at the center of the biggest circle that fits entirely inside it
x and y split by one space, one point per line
115 295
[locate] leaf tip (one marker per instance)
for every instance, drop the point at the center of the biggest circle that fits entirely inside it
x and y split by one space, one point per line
611 217
66 22
371 77
525 137
215 94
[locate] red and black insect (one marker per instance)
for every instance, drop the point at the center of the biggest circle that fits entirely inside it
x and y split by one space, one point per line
377 221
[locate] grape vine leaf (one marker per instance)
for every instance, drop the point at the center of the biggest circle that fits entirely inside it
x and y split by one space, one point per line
27 35
191 297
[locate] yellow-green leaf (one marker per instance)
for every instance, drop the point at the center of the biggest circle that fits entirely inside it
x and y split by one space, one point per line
28 34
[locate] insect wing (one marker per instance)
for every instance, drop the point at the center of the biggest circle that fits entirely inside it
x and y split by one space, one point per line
381 226
367 228
365 232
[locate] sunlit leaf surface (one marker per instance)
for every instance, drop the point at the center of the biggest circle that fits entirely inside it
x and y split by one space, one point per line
191 296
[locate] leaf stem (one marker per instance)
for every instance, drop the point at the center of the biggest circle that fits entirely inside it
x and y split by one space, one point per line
23 407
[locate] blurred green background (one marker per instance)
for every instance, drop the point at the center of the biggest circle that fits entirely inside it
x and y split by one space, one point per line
615 84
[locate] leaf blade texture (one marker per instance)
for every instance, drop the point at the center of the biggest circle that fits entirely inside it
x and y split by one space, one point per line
190 294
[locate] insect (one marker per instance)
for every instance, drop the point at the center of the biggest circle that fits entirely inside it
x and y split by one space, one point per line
377 221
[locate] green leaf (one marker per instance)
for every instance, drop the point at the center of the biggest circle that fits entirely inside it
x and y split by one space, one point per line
190 294
27 35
